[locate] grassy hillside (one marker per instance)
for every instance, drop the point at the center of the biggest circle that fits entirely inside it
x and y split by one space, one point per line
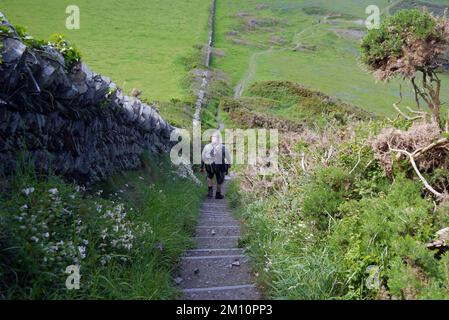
288 106
314 43
138 43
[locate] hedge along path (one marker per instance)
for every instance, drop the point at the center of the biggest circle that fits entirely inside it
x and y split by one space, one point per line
217 269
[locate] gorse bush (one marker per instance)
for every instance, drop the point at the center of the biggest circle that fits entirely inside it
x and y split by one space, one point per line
329 189
410 44
385 231
406 30
387 41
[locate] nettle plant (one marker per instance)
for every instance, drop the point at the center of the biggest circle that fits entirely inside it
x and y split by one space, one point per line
71 54
410 45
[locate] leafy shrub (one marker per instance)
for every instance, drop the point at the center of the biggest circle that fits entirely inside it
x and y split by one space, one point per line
406 42
330 188
415 273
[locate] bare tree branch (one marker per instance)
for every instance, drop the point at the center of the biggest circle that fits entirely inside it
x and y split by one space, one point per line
396 106
419 152
415 167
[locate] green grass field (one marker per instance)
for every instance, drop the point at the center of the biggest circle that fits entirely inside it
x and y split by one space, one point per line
141 44
138 43
328 56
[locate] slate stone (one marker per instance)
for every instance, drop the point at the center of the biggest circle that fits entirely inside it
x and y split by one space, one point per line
13 51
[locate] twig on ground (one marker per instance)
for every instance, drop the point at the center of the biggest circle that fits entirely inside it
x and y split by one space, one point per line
357 164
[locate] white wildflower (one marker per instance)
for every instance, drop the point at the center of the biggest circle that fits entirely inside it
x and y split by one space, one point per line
53 191
82 251
28 191
34 239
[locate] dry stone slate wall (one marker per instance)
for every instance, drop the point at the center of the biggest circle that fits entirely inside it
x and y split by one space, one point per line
76 123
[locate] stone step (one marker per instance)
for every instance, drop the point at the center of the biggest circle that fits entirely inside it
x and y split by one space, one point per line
214 252
217 220
215 272
235 256
214 214
216 242
220 223
215 205
240 292
214 211
217 209
214 202
214 231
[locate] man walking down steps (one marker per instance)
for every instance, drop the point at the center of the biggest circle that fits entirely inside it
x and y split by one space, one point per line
218 268
217 161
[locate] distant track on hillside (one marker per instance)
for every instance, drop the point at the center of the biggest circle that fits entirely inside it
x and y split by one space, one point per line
252 68
252 65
